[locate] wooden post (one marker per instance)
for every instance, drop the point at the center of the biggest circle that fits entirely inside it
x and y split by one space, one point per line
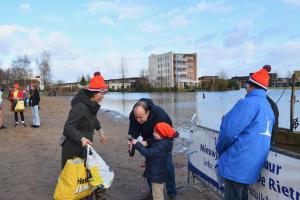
292 103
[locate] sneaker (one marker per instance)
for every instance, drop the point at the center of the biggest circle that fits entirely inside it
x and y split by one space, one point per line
24 124
32 126
3 127
16 124
35 126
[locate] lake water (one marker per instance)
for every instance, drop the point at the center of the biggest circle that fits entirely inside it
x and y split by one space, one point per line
182 106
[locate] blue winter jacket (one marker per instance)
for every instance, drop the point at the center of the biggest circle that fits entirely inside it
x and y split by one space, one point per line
244 139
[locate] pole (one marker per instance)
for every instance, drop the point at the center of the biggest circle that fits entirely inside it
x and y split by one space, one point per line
292 103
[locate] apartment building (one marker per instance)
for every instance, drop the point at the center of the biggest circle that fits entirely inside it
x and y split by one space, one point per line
173 70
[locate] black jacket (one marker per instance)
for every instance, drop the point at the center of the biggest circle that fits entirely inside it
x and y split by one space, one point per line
81 122
276 114
157 114
34 99
156 159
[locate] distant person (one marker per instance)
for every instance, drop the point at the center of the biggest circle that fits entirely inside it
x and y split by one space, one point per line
16 95
1 112
156 155
34 101
245 136
82 121
144 115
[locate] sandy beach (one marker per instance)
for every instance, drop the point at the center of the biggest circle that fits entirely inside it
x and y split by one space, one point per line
30 158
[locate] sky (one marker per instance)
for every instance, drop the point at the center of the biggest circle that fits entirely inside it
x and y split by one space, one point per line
231 36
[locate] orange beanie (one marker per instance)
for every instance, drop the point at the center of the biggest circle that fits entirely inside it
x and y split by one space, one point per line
261 77
164 130
97 83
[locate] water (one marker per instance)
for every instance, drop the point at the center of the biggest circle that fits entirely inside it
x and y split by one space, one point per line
182 106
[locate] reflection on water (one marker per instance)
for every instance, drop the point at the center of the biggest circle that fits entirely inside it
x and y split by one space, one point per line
182 106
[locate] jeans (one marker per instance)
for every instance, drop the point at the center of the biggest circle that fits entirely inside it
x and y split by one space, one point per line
35 115
235 191
170 182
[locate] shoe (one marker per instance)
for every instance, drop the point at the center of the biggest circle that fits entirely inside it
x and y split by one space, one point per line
16 124
35 126
3 127
172 198
32 126
148 196
24 124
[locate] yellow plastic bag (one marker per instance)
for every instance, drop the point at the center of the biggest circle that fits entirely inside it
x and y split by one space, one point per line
73 181
101 175
19 106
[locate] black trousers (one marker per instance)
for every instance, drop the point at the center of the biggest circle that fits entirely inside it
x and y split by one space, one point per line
16 116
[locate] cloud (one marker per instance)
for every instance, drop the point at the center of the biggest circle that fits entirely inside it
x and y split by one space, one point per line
237 35
107 21
293 2
150 27
123 11
8 30
215 7
178 21
52 18
25 7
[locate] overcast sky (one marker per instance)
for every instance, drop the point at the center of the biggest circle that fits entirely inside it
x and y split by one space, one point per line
83 36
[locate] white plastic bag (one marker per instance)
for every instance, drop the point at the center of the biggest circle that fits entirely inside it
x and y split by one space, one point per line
101 175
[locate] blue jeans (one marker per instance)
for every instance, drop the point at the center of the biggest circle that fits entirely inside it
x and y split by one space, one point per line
35 116
170 182
235 191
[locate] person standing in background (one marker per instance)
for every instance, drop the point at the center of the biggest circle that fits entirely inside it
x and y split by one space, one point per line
34 101
1 111
16 95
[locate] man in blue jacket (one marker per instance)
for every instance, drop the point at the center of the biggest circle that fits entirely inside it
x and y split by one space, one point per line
144 115
244 139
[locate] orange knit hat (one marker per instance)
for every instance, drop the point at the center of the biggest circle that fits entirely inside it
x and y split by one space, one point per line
97 83
16 85
164 130
261 77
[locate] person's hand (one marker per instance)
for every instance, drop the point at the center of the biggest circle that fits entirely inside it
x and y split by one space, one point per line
103 139
129 143
145 143
85 141
134 141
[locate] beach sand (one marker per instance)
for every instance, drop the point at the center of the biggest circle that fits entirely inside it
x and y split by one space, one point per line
30 158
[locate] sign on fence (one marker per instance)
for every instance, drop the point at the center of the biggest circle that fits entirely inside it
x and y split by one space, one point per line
279 179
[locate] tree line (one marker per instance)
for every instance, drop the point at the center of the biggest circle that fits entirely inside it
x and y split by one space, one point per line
21 71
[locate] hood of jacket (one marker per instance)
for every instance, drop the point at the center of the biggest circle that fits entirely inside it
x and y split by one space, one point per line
81 97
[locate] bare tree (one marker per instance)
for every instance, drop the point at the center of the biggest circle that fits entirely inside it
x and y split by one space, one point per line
45 68
123 73
21 69
223 75
144 73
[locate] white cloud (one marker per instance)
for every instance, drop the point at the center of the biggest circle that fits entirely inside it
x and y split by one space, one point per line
8 30
237 35
124 11
293 2
150 27
205 6
25 7
52 18
107 21
179 21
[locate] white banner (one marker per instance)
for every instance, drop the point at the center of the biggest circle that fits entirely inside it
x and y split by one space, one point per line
279 179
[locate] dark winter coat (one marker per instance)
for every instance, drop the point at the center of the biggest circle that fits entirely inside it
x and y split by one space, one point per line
34 99
157 114
156 159
276 114
81 122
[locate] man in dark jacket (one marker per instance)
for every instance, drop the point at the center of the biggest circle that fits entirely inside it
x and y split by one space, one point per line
34 101
143 117
157 154
82 121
